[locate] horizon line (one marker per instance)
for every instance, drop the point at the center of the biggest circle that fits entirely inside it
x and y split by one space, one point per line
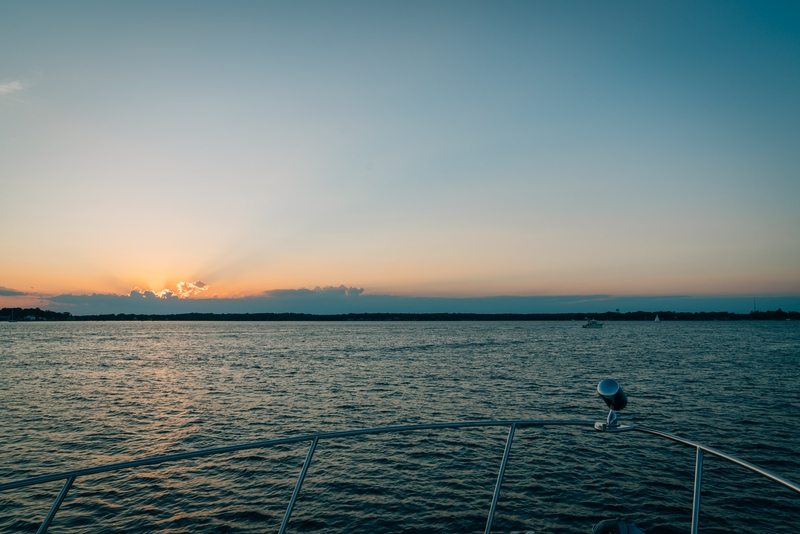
639 315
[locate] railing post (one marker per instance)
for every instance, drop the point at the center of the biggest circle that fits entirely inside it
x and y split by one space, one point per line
698 481
500 479
56 505
297 486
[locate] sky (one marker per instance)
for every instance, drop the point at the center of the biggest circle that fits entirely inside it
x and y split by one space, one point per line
200 153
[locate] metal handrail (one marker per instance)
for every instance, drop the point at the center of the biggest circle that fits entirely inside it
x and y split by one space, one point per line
698 469
71 476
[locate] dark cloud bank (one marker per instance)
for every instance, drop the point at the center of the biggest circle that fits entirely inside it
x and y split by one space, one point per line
8 292
338 300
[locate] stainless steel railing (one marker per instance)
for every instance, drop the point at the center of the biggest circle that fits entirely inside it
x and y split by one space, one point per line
698 468
71 476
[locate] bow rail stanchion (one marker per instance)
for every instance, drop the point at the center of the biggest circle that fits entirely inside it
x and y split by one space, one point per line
698 481
56 505
608 389
298 485
500 479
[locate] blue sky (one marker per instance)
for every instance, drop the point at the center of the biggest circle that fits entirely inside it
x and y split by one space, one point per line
415 149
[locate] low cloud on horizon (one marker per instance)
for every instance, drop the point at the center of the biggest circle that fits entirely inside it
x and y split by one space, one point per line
189 289
184 290
329 291
343 299
9 292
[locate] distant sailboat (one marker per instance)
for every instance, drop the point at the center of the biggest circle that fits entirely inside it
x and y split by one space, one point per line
657 319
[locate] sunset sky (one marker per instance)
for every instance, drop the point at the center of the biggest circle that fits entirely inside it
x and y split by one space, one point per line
415 149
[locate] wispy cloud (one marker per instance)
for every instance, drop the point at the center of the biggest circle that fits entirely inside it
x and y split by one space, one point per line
11 87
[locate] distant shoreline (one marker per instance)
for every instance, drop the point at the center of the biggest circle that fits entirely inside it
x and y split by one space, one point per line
35 314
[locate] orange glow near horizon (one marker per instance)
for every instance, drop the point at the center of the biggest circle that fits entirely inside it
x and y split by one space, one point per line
437 263
453 283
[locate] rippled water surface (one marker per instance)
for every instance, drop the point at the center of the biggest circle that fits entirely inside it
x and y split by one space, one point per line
81 394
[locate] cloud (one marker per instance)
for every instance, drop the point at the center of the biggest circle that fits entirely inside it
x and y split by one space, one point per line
338 300
8 292
185 290
188 289
329 291
11 87
137 293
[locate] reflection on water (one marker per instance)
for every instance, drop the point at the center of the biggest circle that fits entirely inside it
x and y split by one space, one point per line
79 394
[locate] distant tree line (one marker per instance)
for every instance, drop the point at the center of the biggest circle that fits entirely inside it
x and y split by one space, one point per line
37 314
23 314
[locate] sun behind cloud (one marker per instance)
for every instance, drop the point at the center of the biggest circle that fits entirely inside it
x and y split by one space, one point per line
189 289
184 290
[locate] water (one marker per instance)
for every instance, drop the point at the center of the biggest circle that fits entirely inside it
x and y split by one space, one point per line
80 394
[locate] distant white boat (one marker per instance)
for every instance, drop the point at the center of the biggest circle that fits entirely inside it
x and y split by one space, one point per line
592 323
657 319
